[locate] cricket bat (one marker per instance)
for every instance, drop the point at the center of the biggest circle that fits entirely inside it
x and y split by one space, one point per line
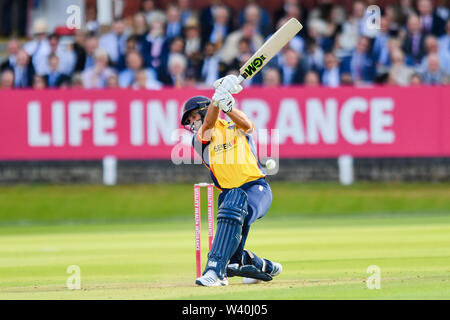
269 49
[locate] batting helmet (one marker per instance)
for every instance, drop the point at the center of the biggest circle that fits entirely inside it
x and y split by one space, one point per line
198 102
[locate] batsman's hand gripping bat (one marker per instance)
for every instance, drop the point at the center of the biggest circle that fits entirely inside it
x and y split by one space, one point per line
269 49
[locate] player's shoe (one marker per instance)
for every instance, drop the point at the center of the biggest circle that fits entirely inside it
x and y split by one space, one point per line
210 279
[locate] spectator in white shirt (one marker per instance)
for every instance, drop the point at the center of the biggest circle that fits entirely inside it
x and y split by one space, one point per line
331 74
96 76
114 42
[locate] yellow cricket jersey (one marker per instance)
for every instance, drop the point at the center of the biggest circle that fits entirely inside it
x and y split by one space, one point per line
230 156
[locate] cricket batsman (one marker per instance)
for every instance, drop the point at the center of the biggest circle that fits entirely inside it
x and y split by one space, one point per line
227 150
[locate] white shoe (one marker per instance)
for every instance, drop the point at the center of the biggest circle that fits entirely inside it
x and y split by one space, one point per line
210 279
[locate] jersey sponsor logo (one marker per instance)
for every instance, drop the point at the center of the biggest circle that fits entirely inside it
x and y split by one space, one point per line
254 65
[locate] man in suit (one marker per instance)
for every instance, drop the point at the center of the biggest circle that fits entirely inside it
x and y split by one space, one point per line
23 70
360 65
331 75
55 78
413 44
431 22
13 49
293 68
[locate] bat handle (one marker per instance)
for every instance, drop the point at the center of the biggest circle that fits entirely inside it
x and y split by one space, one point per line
241 79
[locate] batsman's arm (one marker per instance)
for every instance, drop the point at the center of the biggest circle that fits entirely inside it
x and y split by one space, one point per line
212 115
241 120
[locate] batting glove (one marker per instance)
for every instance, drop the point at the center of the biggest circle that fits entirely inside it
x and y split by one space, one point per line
223 99
229 83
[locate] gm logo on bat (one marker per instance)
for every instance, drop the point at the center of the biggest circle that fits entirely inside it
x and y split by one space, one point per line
254 65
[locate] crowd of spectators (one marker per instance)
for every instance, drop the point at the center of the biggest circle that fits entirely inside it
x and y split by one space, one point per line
182 47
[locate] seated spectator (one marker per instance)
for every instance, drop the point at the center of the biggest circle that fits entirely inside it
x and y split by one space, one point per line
176 46
380 43
39 44
346 79
39 82
331 74
314 55
173 23
91 46
433 75
193 44
7 79
293 68
77 81
271 78
219 29
254 14
140 29
176 71
13 48
134 64
415 80
143 82
112 82
432 47
186 11
430 21
312 79
152 13
230 51
210 65
79 51
351 29
114 42
155 46
413 44
55 78
96 76
400 73
92 25
23 70
360 65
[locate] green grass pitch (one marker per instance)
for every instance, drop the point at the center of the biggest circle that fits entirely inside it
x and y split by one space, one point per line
131 244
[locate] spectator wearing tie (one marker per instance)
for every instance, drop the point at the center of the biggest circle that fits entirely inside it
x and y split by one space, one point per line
96 76
23 70
114 42
220 27
155 45
210 66
13 48
413 44
293 68
430 22
360 65
174 26
331 74
55 78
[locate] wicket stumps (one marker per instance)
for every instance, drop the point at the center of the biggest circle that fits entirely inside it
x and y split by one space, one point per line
197 213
